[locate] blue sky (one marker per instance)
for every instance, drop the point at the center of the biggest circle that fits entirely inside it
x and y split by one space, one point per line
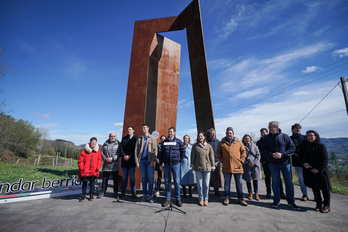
267 60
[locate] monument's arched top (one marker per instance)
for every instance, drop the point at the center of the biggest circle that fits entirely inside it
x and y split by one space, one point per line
149 99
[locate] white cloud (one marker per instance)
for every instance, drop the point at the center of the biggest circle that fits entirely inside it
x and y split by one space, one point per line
270 16
118 124
47 125
328 118
46 116
311 69
184 103
301 93
252 93
330 113
181 102
40 115
189 104
341 52
321 31
247 15
77 69
254 73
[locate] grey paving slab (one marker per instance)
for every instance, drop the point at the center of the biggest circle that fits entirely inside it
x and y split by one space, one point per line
106 214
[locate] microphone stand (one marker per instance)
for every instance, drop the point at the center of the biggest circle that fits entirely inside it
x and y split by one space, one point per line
170 206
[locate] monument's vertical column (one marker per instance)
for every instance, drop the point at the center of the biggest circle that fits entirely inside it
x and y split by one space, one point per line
190 18
137 89
165 60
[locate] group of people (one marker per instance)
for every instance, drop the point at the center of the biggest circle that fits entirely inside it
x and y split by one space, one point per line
275 151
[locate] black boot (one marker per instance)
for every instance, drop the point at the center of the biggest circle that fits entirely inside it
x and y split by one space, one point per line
184 191
190 191
91 195
82 198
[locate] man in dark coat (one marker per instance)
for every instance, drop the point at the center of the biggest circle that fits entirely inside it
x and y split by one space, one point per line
172 151
279 148
265 165
128 162
216 175
298 140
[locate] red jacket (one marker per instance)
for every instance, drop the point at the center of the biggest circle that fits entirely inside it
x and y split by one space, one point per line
90 161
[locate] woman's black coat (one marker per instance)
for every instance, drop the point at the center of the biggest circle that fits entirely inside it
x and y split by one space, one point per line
316 155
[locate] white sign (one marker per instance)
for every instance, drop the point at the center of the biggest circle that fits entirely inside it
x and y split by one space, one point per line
169 143
155 134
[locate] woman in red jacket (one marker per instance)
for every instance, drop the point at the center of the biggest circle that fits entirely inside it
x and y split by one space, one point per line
89 163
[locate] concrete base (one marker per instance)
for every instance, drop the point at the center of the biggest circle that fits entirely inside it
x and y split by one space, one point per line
106 214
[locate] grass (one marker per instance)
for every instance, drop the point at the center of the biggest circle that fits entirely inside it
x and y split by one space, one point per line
11 173
336 185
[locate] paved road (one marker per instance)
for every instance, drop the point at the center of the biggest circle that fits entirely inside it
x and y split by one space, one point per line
67 214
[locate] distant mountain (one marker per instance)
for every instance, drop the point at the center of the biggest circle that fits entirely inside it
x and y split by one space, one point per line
64 141
65 148
337 145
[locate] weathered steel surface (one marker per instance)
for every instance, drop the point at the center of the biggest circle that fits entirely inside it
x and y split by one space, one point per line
163 84
190 18
144 32
152 92
145 99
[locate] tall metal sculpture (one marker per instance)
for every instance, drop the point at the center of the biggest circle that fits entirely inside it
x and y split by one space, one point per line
152 92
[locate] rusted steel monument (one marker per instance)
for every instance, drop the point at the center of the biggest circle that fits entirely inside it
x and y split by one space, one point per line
153 82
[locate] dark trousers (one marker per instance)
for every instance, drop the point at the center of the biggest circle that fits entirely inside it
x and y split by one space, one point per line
106 176
317 196
267 173
85 180
256 186
159 180
216 177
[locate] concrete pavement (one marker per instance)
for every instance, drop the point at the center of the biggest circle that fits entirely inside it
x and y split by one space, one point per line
106 214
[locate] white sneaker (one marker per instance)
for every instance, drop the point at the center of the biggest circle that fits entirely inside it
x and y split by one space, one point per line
156 194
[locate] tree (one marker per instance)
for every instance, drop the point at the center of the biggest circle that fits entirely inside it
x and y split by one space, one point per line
334 159
4 69
44 145
18 136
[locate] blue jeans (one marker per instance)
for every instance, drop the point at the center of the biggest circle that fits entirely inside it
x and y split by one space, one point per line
238 180
147 175
167 178
203 179
125 179
287 175
299 172
256 186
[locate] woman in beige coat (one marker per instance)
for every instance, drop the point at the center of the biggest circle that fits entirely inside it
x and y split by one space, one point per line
202 162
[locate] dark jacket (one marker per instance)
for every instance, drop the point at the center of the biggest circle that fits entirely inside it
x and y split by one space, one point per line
214 144
114 153
259 144
278 142
128 148
298 139
176 152
315 154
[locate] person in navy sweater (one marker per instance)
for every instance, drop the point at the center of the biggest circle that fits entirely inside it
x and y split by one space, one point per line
172 152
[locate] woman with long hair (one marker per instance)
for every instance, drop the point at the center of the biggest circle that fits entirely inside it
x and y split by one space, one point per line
313 155
251 166
202 162
186 173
